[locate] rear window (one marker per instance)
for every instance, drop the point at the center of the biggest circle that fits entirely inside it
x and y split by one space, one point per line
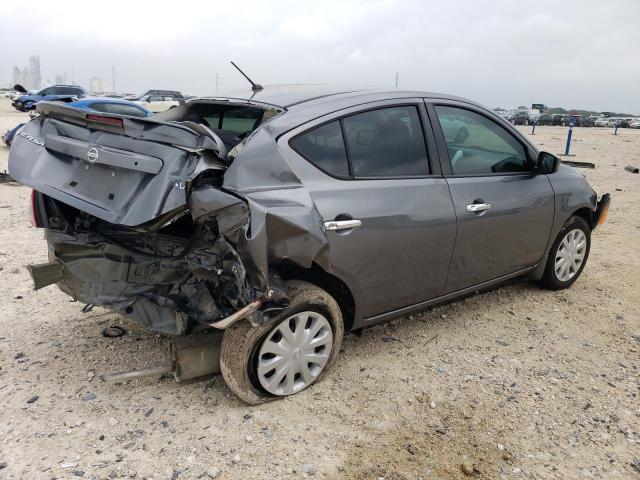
238 121
324 147
387 142
65 91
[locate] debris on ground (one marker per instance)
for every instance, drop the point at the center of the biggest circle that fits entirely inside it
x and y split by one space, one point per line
575 164
113 331
467 467
5 177
632 169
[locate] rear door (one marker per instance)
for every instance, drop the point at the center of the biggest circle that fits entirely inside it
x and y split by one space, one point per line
504 210
369 173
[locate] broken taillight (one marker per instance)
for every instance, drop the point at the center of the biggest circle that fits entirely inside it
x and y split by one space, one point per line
108 120
33 209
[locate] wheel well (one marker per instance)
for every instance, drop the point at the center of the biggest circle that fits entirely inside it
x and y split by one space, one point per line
332 284
586 214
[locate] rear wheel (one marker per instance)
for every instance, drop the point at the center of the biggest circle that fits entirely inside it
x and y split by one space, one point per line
288 353
568 254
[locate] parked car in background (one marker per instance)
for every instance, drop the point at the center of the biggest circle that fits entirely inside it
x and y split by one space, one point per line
544 119
601 122
612 122
574 119
55 92
287 216
158 100
634 124
521 118
557 119
7 138
112 105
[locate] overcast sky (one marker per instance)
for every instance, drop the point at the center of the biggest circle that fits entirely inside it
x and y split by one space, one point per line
580 54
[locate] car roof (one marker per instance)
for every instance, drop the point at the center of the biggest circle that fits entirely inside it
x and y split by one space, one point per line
306 102
62 85
288 96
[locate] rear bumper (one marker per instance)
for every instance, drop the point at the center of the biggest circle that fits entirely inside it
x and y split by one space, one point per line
602 209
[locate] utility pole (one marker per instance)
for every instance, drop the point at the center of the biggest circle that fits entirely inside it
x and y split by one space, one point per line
218 77
397 78
113 78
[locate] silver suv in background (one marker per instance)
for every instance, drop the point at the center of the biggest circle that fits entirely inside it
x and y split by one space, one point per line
288 216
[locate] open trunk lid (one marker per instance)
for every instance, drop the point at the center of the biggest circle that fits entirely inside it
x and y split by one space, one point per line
123 170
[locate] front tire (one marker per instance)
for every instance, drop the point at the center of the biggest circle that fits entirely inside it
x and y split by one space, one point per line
568 255
286 354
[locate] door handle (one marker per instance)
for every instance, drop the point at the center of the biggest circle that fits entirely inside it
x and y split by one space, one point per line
478 207
337 225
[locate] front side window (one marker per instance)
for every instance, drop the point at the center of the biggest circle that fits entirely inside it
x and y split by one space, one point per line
478 146
388 142
324 147
68 91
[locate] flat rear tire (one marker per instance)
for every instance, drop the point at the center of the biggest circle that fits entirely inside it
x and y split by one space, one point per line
288 353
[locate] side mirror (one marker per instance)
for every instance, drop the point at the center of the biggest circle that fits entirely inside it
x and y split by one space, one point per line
547 163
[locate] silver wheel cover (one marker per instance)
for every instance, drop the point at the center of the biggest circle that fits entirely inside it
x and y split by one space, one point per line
570 255
294 353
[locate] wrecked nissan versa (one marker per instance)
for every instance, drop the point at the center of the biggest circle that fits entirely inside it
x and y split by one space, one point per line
288 215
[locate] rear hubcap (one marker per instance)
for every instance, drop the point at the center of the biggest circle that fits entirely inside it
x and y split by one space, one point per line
294 353
570 255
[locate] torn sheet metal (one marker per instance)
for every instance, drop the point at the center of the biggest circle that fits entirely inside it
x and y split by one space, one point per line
164 283
285 223
168 241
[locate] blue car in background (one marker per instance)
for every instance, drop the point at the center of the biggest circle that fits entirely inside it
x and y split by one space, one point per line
112 105
25 102
103 105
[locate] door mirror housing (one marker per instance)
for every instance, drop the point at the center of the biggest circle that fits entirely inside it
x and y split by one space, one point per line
547 163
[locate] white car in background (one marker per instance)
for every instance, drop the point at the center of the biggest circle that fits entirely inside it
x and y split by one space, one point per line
634 124
601 122
158 100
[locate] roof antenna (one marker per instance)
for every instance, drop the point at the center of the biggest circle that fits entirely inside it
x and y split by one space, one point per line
255 87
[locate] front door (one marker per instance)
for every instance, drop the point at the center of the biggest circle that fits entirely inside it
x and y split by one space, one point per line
371 167
504 210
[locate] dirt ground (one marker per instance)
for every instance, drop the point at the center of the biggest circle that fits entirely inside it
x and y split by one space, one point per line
521 382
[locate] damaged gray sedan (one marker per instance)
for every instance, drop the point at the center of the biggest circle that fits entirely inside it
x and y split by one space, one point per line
290 215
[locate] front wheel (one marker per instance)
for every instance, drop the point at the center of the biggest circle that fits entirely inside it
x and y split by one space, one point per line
568 254
286 354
